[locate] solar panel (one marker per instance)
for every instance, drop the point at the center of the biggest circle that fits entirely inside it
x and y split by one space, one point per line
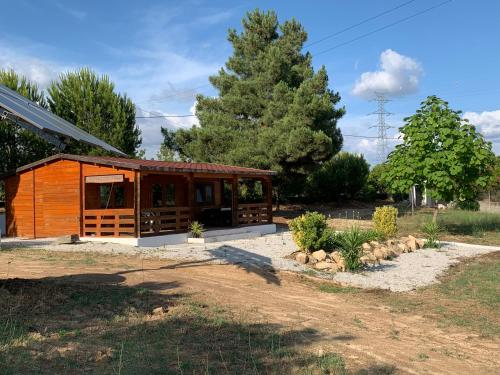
44 122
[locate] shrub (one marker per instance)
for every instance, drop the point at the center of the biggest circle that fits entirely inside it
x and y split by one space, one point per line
384 221
196 229
350 243
328 240
308 231
468 205
344 175
431 230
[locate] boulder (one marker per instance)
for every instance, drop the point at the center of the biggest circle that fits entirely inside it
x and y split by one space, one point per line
323 266
379 253
302 258
412 244
336 257
364 260
319 255
386 251
159 311
374 243
420 243
402 247
390 243
366 247
334 267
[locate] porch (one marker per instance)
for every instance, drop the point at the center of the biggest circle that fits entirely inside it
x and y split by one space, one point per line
161 204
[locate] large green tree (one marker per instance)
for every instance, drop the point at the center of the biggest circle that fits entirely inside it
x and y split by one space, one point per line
19 146
273 111
91 103
441 151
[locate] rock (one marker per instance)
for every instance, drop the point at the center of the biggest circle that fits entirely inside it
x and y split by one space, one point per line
420 243
302 258
323 266
319 255
336 257
366 247
402 247
364 260
374 243
386 251
390 243
334 267
158 311
412 243
67 239
379 253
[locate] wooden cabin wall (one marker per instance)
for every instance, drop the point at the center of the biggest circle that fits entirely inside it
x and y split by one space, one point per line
19 205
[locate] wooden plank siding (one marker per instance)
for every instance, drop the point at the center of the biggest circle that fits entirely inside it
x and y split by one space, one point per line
19 205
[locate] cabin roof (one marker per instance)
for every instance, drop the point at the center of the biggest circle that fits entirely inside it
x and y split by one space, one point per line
151 165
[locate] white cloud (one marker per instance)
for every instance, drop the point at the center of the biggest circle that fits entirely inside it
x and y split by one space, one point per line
36 69
488 122
151 127
398 75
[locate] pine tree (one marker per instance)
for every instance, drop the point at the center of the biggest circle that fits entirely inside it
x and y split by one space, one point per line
91 103
273 110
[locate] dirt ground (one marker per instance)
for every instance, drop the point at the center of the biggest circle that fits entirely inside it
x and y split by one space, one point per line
360 326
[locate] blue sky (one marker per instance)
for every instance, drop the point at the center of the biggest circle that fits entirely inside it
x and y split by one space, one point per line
161 53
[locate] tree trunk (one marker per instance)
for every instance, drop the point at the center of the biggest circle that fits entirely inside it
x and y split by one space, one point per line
435 214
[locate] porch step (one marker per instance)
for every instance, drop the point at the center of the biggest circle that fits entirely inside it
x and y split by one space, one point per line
209 237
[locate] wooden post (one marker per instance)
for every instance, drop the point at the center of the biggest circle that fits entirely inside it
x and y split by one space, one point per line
234 206
137 191
191 193
269 200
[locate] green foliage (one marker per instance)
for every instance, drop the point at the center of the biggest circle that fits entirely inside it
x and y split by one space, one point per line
308 230
385 221
343 176
468 205
273 111
431 230
250 191
328 240
17 145
442 152
91 103
196 229
350 242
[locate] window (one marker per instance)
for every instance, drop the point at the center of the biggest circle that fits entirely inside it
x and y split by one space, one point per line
111 196
170 195
204 193
105 195
157 195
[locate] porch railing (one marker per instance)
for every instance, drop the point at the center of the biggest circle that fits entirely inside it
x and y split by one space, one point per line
117 222
164 220
254 213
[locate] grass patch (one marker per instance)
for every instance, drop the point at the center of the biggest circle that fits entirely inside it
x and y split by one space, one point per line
456 225
468 297
332 288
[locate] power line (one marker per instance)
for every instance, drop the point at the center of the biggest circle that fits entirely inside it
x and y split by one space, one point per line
358 24
165 116
383 27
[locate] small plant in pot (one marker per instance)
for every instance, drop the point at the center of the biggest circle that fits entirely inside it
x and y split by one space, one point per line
196 229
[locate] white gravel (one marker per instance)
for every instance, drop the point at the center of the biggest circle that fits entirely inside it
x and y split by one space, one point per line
407 272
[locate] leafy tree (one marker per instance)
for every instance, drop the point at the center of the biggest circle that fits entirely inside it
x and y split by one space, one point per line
273 110
344 175
442 152
19 146
91 103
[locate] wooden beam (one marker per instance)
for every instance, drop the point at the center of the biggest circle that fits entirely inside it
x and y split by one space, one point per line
234 205
137 203
269 200
190 180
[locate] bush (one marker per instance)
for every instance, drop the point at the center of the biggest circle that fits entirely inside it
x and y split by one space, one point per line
431 230
328 240
385 221
308 231
344 175
350 243
468 205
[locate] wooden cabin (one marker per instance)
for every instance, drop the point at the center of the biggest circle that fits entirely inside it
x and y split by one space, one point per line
119 198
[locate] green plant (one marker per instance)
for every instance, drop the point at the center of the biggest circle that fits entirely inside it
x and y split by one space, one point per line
384 221
468 205
308 230
350 243
328 239
431 230
196 229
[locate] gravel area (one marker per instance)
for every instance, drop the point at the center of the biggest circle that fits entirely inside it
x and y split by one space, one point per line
407 272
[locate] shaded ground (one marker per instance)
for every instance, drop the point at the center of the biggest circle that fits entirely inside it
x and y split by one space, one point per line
89 313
